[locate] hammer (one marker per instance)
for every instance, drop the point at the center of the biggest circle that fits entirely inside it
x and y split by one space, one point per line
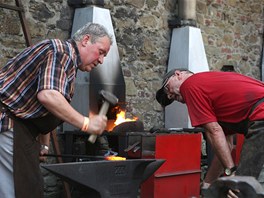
109 98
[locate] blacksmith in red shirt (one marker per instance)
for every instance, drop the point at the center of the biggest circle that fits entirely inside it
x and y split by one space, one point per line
223 103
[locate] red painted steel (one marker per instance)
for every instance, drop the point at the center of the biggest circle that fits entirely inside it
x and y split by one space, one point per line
179 176
238 147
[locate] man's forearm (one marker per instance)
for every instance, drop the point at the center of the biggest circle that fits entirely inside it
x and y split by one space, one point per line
217 139
44 139
214 171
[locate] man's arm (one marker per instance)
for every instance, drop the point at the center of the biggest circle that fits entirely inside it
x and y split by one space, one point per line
216 168
55 103
44 141
216 137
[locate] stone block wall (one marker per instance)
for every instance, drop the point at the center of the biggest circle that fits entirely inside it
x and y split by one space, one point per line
232 31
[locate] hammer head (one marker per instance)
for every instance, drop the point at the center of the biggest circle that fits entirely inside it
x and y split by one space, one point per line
109 97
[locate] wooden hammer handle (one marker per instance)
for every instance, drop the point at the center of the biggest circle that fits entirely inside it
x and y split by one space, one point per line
103 111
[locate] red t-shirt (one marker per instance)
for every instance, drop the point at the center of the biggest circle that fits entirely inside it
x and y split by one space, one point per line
222 97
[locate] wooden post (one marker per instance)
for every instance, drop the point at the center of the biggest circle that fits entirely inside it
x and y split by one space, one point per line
20 10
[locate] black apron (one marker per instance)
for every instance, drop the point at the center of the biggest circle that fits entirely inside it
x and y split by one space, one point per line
241 127
252 154
27 175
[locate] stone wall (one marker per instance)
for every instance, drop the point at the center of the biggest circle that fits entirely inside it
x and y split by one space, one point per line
232 31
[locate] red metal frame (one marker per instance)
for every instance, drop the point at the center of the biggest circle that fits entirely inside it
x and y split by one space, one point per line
238 147
179 176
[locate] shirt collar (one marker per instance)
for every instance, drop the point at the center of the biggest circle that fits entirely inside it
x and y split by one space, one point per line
79 61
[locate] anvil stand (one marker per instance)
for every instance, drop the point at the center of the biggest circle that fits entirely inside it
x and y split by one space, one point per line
106 179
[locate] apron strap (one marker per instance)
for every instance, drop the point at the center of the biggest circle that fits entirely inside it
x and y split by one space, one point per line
255 105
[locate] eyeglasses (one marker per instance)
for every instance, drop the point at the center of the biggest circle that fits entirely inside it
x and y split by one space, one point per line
166 83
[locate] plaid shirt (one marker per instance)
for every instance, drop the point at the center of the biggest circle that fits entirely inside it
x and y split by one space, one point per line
50 64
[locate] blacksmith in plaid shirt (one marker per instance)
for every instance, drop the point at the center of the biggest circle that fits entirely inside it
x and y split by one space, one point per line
36 87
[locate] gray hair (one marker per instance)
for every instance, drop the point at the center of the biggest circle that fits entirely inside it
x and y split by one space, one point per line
95 30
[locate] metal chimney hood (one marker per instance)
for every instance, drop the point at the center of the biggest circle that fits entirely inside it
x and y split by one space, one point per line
107 76
186 51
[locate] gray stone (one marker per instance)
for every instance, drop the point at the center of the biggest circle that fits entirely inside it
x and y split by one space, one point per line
232 35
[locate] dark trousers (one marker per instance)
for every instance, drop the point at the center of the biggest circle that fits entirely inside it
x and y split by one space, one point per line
252 154
27 175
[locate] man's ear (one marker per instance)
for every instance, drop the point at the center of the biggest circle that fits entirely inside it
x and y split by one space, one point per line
178 74
85 39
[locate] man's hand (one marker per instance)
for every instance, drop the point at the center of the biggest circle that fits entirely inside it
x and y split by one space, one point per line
205 185
97 124
233 193
44 149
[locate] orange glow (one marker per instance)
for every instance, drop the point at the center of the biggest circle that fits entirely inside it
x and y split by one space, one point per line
121 117
114 158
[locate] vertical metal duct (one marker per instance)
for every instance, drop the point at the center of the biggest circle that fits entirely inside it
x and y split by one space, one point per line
107 76
187 9
186 51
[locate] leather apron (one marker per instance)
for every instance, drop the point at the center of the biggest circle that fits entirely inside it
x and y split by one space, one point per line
27 175
242 126
252 154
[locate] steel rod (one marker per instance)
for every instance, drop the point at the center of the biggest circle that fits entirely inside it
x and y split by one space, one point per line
75 156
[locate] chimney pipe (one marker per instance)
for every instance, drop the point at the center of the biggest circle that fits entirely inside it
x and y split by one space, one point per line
186 14
107 76
187 9
186 50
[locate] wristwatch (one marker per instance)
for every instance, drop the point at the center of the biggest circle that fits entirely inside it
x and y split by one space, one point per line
44 146
229 171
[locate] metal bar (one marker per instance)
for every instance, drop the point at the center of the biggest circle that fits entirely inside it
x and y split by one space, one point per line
10 7
23 22
20 10
75 156
178 173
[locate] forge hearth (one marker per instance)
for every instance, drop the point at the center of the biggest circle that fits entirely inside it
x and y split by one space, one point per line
128 127
133 145
75 142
